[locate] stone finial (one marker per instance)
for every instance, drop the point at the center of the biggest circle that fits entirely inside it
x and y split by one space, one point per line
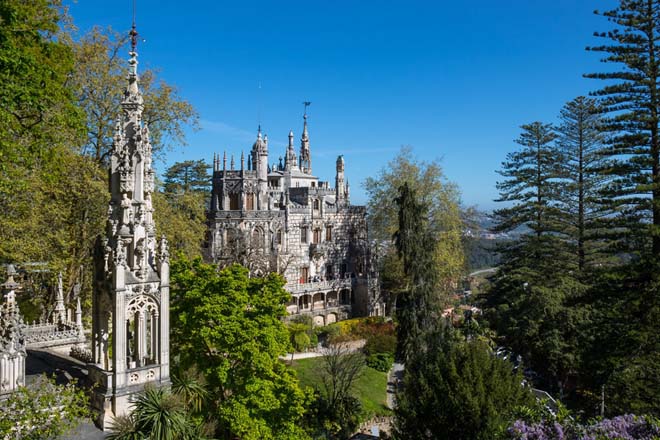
242 161
10 284
224 160
59 315
232 161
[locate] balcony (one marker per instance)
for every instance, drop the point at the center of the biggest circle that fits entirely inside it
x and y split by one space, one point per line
314 286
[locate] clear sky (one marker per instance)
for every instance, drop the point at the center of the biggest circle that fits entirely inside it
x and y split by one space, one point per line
453 79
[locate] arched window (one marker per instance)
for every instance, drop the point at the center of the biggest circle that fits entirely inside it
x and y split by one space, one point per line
257 241
234 200
142 332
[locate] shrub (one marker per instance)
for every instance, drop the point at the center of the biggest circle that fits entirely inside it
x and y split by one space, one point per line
380 361
380 344
627 426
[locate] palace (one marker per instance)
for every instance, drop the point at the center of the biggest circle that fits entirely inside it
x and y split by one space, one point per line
282 218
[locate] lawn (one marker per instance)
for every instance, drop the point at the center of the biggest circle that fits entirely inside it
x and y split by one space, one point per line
370 388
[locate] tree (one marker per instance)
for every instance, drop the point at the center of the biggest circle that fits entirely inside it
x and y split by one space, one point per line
38 111
43 410
530 187
99 83
157 414
631 99
533 299
417 305
624 339
230 327
187 176
579 141
441 199
336 410
457 389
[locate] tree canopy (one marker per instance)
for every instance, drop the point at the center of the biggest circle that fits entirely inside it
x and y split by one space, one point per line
230 327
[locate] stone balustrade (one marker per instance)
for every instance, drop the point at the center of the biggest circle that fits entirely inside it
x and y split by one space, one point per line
315 286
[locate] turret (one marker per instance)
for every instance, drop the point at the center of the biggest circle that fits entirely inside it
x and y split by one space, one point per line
340 188
260 163
305 152
290 161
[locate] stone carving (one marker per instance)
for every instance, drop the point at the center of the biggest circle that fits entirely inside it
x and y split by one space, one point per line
142 338
120 255
163 250
126 210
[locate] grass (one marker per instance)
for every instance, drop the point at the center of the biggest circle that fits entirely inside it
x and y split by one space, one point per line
370 387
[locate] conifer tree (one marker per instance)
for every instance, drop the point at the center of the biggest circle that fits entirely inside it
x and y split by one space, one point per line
579 142
530 188
631 99
415 246
531 295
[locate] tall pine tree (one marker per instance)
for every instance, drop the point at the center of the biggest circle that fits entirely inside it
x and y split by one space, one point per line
579 142
631 99
530 298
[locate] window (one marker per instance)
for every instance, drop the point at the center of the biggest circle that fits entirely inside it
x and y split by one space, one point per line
278 237
257 238
328 233
233 202
329 272
304 274
316 205
317 236
249 202
303 234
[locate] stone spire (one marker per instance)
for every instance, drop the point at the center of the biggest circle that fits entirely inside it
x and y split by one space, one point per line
290 160
79 323
340 186
59 314
305 153
131 295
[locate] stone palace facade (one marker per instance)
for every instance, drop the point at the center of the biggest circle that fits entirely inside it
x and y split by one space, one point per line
282 218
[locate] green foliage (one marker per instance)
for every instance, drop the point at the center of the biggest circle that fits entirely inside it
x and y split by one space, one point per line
157 414
182 218
336 408
230 327
43 410
381 361
415 245
382 343
440 197
99 84
457 390
536 298
630 99
186 176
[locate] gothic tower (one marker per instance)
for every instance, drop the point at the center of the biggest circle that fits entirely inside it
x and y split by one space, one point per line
290 161
340 186
305 153
130 322
260 161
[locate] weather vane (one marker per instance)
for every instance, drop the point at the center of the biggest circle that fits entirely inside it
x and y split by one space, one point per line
306 104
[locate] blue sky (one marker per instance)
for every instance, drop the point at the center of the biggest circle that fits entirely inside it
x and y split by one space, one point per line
453 79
